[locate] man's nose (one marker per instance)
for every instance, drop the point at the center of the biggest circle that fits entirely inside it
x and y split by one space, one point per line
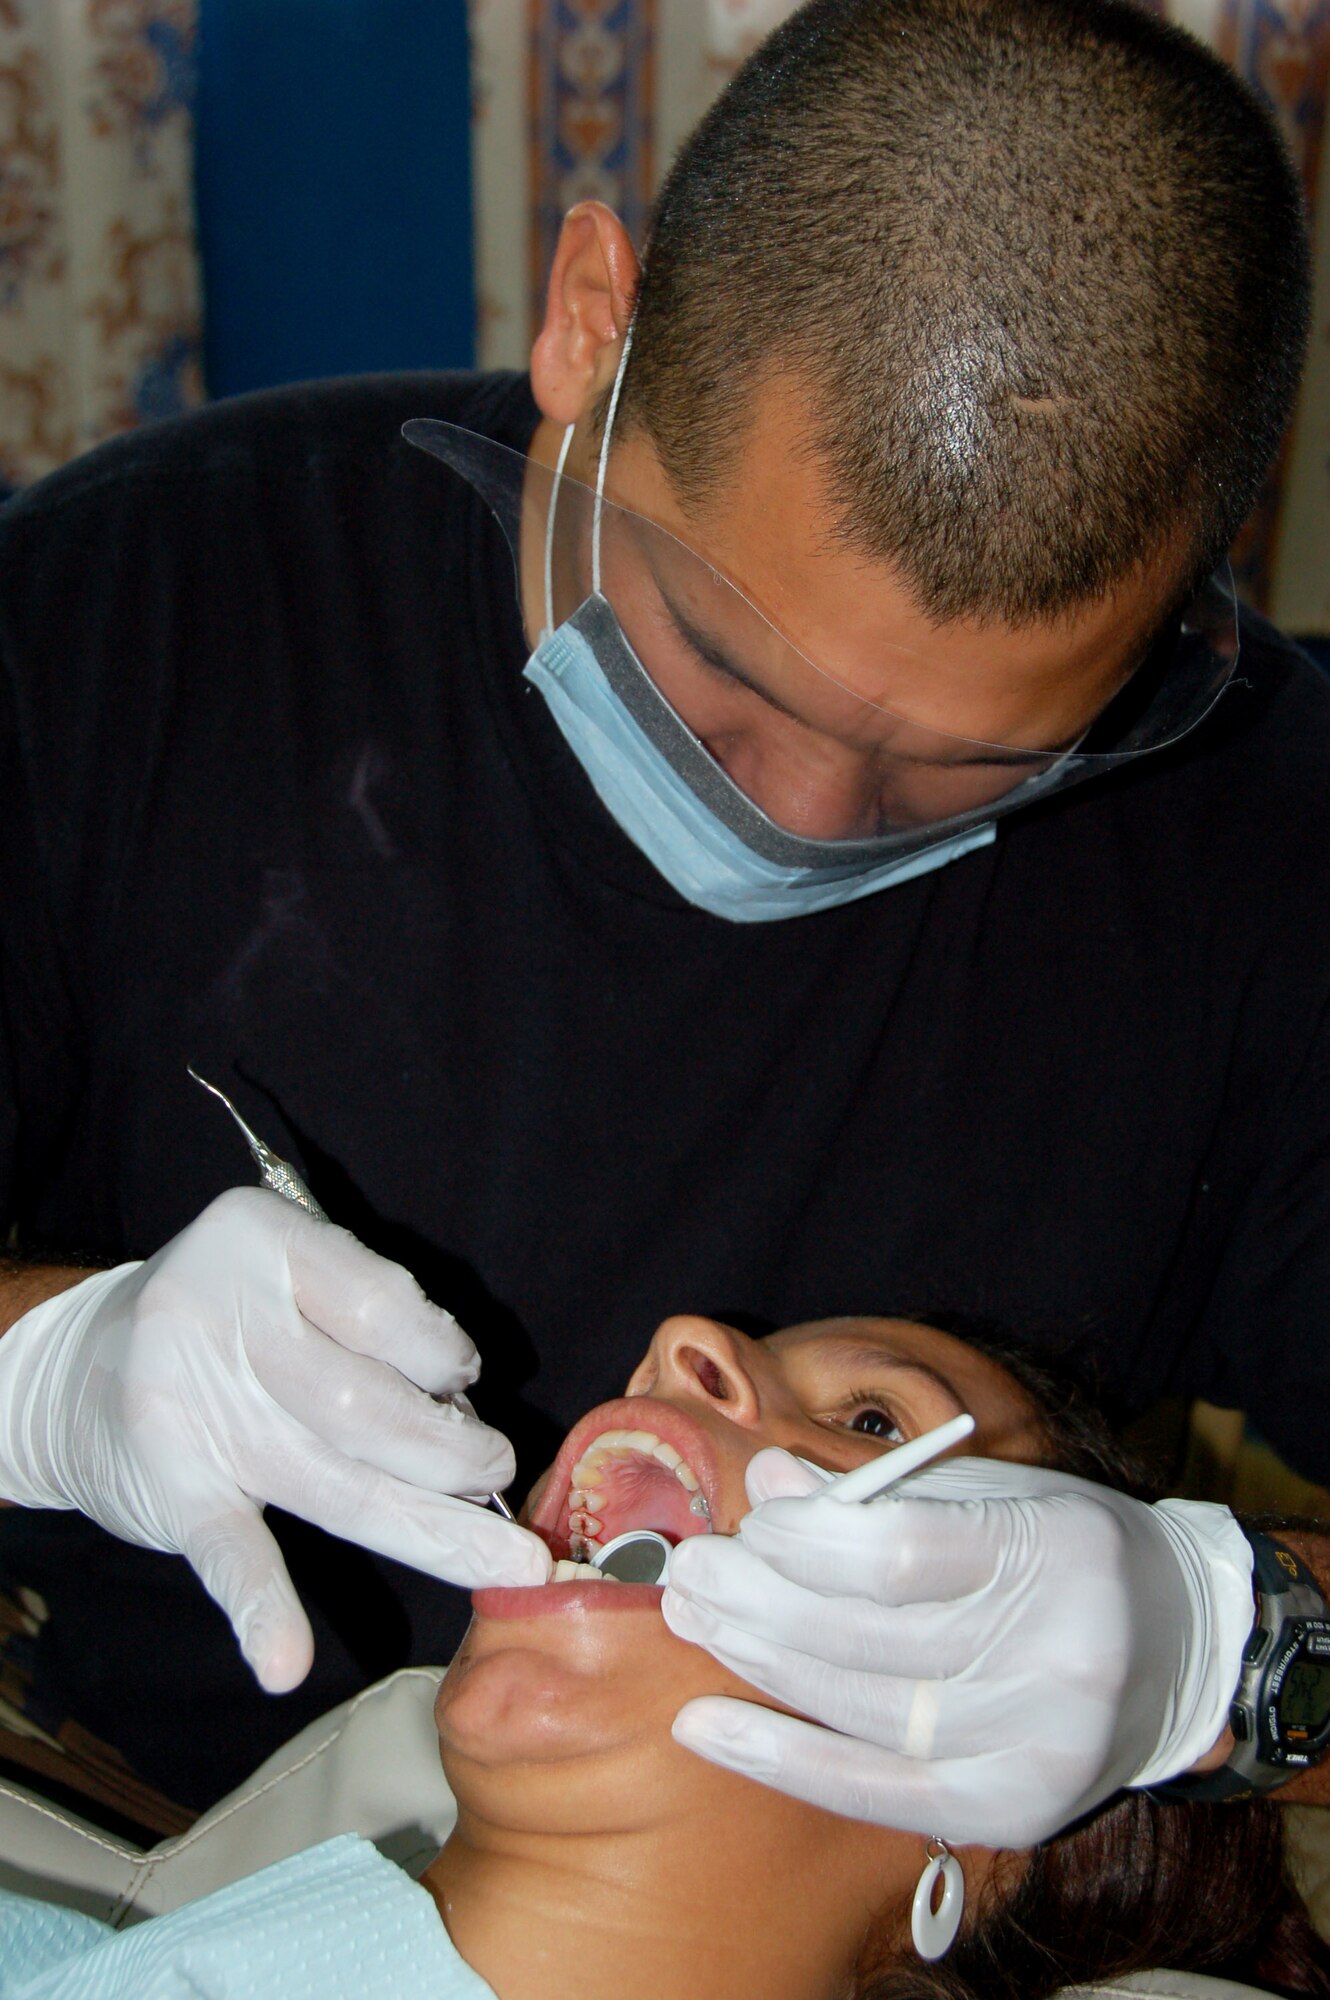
811 787
696 1359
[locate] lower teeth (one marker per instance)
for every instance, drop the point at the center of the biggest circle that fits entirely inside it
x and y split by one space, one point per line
574 1572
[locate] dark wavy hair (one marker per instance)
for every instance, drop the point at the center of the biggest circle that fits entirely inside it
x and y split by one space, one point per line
1141 1883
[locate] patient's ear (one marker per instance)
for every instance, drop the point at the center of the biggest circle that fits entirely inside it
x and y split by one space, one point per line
588 307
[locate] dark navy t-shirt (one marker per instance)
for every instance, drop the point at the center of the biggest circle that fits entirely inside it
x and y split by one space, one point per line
276 800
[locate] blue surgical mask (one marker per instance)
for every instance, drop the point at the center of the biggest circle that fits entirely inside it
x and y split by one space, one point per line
700 856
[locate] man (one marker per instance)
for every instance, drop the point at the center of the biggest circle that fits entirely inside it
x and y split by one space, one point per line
940 958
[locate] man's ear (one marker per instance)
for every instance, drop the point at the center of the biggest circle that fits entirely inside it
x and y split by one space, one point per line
587 310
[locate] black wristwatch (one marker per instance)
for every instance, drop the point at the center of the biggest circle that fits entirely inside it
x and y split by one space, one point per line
1280 1715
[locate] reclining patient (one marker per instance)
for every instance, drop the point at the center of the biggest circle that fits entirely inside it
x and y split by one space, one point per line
595 1856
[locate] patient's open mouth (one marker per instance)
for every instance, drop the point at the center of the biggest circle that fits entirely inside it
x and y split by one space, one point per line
611 1477
631 1479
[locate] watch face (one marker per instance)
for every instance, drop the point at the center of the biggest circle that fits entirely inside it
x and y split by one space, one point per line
1296 1697
1304 1701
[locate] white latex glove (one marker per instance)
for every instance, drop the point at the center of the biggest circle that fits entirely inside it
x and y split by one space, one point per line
999 1648
261 1356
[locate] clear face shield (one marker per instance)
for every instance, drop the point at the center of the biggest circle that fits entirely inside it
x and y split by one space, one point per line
774 762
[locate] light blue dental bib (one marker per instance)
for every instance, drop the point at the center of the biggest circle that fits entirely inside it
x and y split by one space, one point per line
678 825
337 1922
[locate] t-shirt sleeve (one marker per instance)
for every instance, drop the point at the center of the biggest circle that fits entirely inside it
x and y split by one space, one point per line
1267 1332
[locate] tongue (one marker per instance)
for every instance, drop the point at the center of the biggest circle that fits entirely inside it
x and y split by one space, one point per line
642 1493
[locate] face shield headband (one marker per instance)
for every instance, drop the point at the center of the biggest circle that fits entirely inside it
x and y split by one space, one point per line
761 739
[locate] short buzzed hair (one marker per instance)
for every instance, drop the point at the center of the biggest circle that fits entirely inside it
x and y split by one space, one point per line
1042 265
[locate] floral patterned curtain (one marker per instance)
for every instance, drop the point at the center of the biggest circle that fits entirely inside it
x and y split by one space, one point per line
591 97
99 283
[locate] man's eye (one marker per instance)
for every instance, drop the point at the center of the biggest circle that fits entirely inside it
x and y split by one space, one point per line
877 1424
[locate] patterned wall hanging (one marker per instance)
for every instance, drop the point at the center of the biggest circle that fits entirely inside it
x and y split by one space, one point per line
99 285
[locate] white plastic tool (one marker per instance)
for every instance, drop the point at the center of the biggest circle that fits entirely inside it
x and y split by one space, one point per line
867 1481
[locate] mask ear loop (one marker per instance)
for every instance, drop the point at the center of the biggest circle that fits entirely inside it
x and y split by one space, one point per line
605 457
549 527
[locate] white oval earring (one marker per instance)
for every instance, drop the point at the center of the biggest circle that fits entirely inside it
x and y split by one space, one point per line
934 1931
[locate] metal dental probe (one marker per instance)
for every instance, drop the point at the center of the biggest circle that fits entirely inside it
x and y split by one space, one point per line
282 1178
643 1556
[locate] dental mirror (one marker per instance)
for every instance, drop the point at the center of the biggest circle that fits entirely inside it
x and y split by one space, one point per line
640 1556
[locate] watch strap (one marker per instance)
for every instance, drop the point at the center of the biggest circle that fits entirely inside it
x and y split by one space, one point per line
1284 1588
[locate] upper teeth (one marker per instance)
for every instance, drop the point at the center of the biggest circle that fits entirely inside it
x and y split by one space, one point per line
586 1498
644 1444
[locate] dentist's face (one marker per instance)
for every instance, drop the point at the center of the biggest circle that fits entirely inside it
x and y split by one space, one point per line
828 696
837 748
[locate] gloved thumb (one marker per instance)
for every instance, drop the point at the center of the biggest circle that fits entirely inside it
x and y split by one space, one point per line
241 1566
778 1475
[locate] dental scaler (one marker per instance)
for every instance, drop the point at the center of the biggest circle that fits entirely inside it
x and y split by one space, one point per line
279 1175
643 1556
274 1171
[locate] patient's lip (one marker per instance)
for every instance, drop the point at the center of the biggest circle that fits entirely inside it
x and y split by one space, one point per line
544 1600
629 1413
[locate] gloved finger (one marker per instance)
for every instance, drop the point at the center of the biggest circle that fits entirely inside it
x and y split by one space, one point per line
371 1413
901 1713
993 1479
240 1565
452 1539
842 1775
716 1575
897 1550
375 1307
775 1474
721 1578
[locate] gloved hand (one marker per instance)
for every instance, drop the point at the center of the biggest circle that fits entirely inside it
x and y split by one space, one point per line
261 1356
999 1648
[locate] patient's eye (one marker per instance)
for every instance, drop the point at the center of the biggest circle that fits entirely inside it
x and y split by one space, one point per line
877 1423
866 1411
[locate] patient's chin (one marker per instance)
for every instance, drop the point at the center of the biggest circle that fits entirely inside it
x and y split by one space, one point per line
537 1745
543 1690
516 1707
549 1691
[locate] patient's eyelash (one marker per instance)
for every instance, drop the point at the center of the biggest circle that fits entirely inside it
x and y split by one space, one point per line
866 1403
